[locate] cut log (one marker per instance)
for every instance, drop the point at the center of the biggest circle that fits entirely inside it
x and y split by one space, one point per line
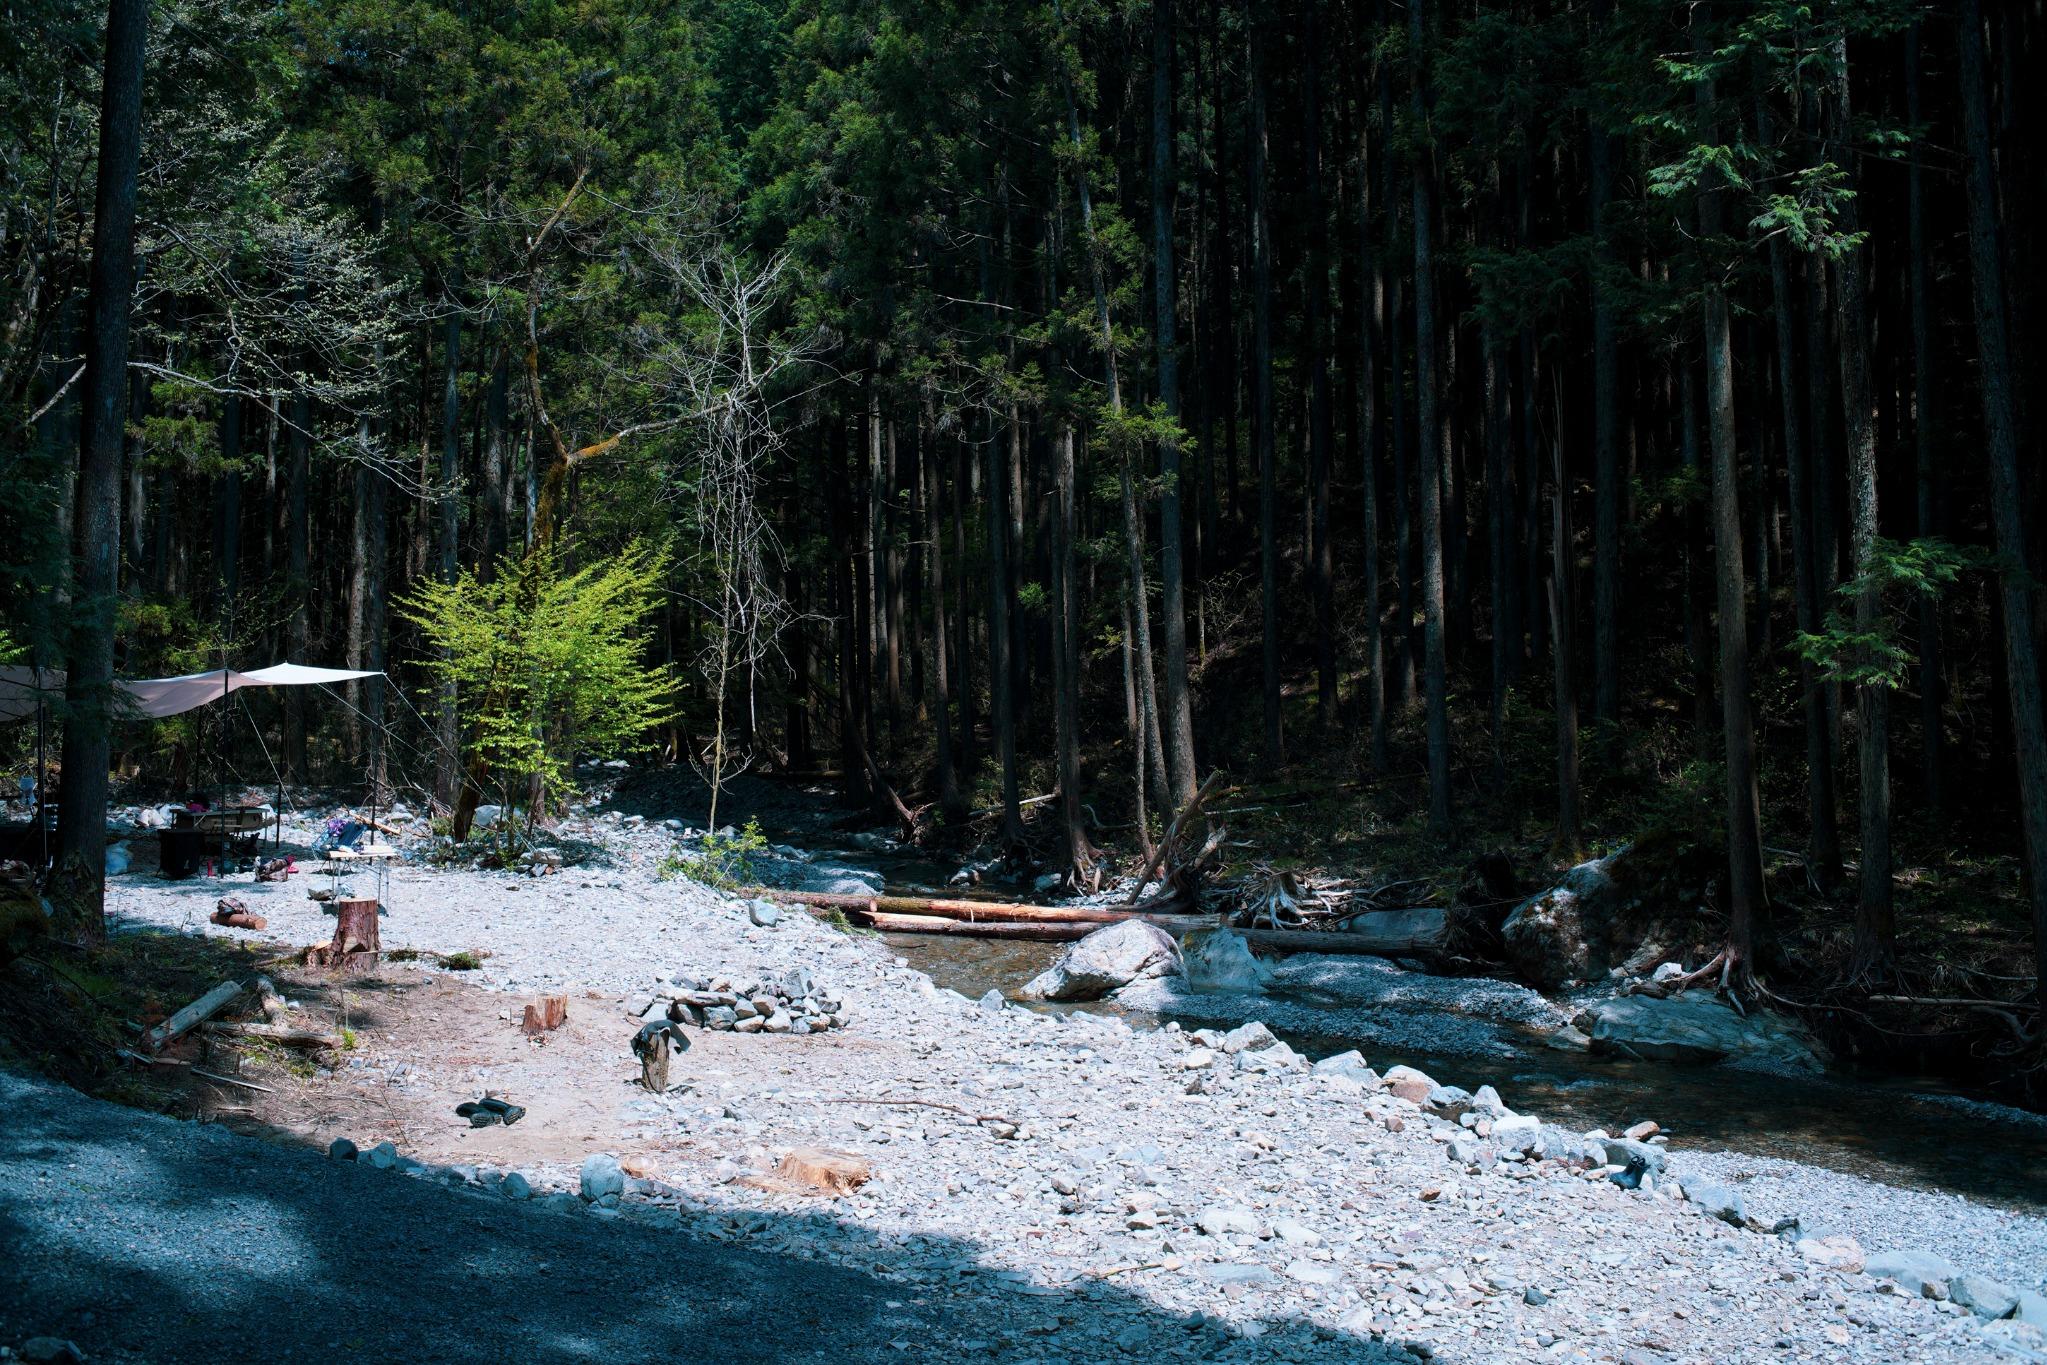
1356 943
545 1015
234 912
192 1016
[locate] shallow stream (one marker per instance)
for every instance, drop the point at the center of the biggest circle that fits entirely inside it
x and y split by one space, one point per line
1915 1133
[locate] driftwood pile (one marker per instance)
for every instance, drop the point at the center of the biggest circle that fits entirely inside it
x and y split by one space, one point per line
272 1022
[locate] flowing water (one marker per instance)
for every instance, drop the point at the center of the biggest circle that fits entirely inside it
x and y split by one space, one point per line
1916 1133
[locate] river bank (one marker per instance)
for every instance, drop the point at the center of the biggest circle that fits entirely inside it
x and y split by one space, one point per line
1239 1202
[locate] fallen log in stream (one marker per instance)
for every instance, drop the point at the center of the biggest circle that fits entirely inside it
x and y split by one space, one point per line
1169 907
1356 943
1065 923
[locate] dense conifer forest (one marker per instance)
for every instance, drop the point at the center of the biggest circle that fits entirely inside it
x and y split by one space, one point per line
1471 427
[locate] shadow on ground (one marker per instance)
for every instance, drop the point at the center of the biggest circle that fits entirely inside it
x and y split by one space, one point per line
145 1239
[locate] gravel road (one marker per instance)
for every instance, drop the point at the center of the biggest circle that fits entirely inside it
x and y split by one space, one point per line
145 1239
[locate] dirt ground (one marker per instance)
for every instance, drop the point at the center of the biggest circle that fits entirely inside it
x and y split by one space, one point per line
425 1041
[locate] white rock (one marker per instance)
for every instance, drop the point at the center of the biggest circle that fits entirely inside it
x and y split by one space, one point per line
1112 956
1248 1037
1219 960
1222 1222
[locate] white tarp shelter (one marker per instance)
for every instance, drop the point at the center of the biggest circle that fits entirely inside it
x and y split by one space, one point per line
23 689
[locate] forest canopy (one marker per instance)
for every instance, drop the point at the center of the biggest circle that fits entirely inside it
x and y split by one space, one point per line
1552 419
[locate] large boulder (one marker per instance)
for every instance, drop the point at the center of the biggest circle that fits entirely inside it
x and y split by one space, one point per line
1648 903
1218 960
1697 1028
1557 936
1112 956
1917 1272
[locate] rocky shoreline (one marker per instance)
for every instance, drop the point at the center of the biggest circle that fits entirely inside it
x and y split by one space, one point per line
1264 1202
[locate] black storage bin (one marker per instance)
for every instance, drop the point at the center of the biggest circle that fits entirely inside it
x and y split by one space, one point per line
179 851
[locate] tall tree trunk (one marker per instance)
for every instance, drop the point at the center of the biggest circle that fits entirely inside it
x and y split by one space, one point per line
228 557
136 521
376 499
1875 928
447 547
2007 494
358 587
1606 471
497 460
1001 672
1371 447
952 803
298 584
1697 613
1499 498
1932 678
963 618
1747 907
1133 524
79 886
1435 665
891 600
1561 613
1080 854
1823 843
1321 560
1273 750
1178 710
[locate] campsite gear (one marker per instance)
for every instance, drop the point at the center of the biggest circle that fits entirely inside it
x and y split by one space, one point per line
341 862
488 1110
178 852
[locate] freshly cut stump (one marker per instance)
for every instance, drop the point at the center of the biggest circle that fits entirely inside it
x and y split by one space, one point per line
545 1015
355 942
825 1172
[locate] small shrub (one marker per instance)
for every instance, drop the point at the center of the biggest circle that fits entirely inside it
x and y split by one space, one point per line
464 961
727 862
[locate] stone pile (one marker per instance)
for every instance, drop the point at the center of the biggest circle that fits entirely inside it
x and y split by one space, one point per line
792 1002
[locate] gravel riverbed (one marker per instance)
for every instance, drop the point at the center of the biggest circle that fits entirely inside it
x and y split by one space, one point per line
1239 1204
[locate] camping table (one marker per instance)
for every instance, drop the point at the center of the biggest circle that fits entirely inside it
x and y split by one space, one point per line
340 862
220 831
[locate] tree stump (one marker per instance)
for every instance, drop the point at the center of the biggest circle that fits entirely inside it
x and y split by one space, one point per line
545 1015
355 941
654 1067
832 1173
